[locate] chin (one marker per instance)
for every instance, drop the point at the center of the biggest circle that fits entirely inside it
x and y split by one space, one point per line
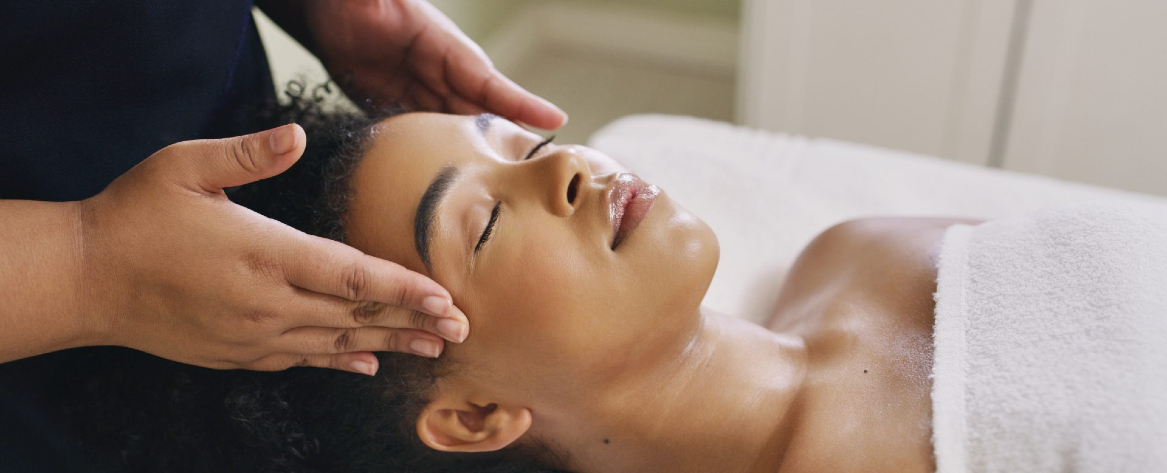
682 250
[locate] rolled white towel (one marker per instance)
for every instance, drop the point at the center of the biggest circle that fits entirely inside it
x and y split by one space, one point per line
1051 343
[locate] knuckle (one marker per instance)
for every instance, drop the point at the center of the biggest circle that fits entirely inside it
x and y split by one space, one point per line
345 341
259 263
393 340
487 85
355 281
367 312
242 154
301 361
404 291
418 320
257 315
179 148
399 295
265 363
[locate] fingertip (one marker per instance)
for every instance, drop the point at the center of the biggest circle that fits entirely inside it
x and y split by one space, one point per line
287 139
363 363
426 347
456 313
302 138
548 116
282 139
559 117
454 330
438 305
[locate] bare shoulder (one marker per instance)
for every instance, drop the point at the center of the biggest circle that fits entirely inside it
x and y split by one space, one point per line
860 295
883 255
878 233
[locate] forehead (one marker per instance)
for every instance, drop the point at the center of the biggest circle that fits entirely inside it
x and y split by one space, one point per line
404 156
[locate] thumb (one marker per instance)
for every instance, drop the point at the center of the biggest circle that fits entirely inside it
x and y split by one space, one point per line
230 162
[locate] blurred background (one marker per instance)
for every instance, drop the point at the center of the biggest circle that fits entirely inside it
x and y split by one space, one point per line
1073 89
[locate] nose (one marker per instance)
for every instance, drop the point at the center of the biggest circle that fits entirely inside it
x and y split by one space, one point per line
564 174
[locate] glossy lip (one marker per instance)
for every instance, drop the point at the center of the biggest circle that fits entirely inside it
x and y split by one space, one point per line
629 200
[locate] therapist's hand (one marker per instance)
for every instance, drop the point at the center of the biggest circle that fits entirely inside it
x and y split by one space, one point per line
406 51
177 270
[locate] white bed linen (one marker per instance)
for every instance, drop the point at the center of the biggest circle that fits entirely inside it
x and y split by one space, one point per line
766 195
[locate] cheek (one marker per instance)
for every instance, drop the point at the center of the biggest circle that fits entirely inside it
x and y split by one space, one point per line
550 312
534 299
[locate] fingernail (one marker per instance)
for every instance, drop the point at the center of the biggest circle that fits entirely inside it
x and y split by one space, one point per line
452 329
560 110
436 305
456 313
283 139
425 347
362 366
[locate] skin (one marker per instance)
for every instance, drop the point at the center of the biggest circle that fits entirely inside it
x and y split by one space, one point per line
606 355
162 262
860 297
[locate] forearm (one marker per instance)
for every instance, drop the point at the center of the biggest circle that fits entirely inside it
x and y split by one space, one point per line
41 280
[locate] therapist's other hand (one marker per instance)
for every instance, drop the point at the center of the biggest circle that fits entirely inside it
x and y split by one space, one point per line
406 51
177 270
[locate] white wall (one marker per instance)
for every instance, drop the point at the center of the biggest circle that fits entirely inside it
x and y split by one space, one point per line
1067 88
1091 99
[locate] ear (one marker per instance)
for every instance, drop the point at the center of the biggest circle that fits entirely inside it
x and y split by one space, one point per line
450 424
453 424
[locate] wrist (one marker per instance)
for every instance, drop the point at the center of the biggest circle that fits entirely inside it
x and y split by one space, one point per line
42 280
96 292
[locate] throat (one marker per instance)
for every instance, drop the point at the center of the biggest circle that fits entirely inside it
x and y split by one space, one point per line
726 403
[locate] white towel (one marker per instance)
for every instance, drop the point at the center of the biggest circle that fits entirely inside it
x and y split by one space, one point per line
1051 343
766 195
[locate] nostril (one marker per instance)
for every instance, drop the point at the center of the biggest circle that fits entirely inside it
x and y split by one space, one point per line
572 189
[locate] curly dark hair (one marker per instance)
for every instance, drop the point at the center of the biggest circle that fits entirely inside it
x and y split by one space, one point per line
146 414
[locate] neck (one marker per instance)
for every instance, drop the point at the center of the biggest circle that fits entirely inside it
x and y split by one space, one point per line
723 404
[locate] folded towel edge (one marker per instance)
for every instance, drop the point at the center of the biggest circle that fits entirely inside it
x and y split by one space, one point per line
949 358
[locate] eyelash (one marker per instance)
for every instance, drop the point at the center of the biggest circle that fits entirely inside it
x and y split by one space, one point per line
489 227
498 205
539 146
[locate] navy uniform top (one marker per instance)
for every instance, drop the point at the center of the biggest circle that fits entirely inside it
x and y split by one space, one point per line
89 88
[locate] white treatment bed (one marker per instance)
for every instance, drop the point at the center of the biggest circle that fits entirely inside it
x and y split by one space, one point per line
766 195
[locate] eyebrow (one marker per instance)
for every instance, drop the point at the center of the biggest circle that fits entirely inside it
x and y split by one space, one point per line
426 209
483 121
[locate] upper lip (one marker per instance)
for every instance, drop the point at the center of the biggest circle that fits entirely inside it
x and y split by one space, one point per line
620 192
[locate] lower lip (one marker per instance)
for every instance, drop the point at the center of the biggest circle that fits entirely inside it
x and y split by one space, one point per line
635 212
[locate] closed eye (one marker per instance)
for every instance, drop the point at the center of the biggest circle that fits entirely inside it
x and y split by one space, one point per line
486 232
538 146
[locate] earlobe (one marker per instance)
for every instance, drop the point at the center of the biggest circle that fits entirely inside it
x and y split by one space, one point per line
466 427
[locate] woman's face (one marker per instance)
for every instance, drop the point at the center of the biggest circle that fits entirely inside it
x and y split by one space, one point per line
562 291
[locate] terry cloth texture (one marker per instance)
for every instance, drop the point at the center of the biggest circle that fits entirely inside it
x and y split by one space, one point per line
1051 343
